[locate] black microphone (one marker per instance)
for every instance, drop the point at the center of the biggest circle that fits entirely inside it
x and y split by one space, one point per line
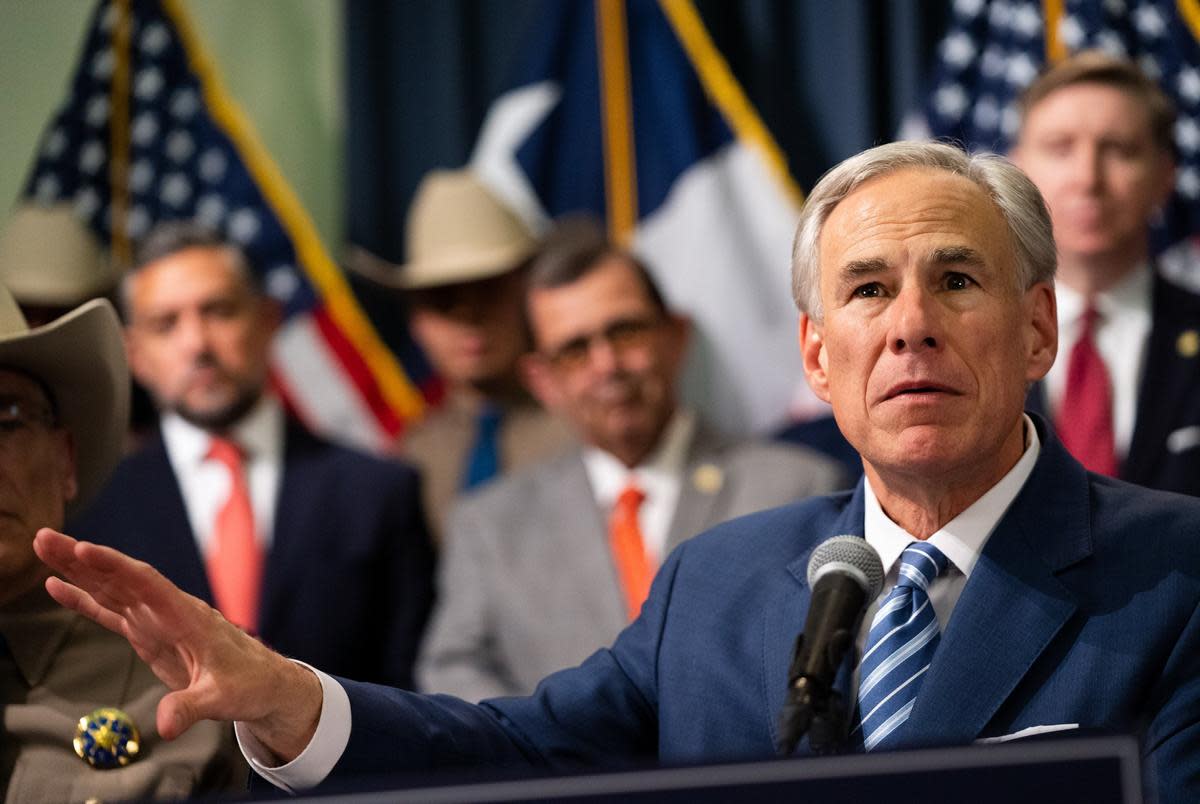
845 575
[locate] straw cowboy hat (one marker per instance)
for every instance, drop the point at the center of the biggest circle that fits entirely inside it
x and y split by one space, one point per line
49 257
80 359
457 231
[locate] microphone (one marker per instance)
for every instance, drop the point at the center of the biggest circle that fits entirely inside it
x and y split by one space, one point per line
845 575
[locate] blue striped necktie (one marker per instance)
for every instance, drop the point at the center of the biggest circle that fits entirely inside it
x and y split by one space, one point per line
900 646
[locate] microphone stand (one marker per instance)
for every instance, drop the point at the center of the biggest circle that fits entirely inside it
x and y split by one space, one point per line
813 707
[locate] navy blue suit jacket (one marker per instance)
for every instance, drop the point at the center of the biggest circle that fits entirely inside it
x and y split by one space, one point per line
1164 452
1081 609
348 580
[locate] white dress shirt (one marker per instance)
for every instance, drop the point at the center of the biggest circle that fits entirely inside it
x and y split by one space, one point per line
660 477
961 539
1122 337
204 482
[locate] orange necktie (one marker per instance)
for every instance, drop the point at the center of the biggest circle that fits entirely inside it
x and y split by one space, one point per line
634 569
235 562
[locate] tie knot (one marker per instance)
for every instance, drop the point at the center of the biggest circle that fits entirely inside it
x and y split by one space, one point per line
225 451
920 563
1087 321
631 497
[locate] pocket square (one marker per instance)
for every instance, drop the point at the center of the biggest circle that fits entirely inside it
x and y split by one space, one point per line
1032 731
1183 439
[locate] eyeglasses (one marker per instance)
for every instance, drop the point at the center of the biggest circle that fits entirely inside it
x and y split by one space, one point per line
17 415
620 335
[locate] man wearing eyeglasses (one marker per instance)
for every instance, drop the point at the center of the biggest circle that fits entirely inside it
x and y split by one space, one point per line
549 564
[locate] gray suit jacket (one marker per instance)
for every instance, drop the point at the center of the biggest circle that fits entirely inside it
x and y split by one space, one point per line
527 584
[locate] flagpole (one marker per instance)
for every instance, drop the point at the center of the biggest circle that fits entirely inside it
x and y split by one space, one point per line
118 168
612 47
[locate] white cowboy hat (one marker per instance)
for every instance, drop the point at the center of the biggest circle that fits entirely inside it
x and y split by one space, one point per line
80 359
457 231
49 257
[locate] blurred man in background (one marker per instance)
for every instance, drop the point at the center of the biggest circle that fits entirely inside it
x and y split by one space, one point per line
236 501
1097 139
549 564
464 284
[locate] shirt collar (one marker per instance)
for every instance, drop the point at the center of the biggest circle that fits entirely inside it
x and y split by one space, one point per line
258 433
608 476
962 538
1130 295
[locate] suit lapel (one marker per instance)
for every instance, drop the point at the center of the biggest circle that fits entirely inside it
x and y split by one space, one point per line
784 618
1167 379
165 538
303 493
1011 607
701 488
577 524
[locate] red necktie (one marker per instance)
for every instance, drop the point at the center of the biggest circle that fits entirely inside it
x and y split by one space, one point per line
1085 417
634 569
235 562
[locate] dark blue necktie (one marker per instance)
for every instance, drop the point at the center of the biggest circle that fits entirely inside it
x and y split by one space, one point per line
900 647
483 461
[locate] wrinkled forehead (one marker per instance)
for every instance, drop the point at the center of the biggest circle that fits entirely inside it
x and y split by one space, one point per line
910 211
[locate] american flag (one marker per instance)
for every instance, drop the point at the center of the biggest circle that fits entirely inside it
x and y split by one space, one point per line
148 134
995 48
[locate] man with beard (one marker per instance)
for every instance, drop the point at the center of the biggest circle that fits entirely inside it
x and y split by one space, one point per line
235 501
550 563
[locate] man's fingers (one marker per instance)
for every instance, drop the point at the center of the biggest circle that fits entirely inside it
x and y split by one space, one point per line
78 600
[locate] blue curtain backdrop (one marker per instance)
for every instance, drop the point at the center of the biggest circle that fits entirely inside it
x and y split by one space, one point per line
828 78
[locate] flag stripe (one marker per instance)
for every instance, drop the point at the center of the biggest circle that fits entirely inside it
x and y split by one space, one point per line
402 397
357 371
612 46
725 91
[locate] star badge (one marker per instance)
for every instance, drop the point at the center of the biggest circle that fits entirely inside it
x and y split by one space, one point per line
107 738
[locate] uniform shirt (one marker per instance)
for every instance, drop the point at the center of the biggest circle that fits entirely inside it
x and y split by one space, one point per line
62 667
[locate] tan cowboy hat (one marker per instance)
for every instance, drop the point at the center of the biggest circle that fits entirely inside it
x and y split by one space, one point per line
457 231
80 359
49 257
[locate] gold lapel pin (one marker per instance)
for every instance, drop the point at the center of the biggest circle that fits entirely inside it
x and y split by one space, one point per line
107 738
708 478
1188 343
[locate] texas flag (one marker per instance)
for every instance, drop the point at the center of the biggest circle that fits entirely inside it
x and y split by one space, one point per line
624 109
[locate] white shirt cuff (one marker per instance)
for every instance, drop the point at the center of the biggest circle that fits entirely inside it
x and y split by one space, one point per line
317 759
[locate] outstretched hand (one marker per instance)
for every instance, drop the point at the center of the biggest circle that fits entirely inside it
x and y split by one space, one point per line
213 669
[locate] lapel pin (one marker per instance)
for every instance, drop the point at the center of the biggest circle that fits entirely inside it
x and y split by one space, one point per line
1188 343
708 478
107 738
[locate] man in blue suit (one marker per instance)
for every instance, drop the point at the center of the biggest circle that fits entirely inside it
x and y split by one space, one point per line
1061 599
315 517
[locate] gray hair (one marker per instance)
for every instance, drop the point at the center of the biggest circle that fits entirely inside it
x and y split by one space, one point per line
172 237
1009 189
